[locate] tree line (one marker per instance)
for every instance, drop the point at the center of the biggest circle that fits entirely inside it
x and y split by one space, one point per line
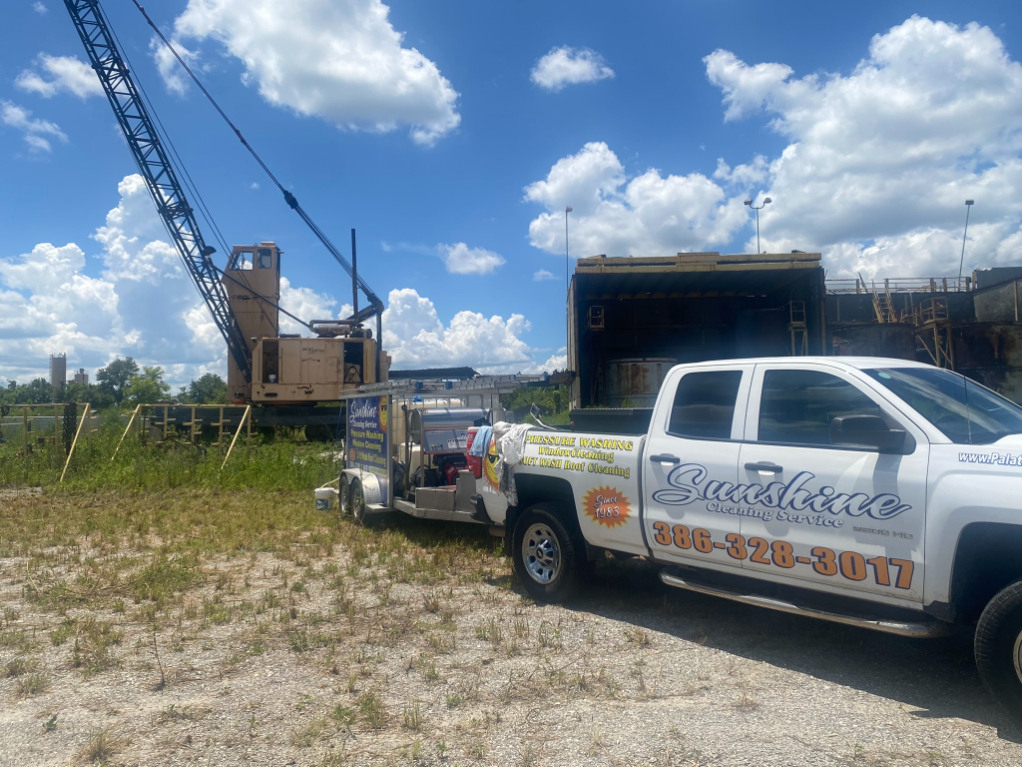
122 383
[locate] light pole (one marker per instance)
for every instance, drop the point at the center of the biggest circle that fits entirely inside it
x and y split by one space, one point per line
968 207
765 202
567 280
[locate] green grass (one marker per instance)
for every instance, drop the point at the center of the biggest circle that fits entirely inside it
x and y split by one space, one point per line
143 466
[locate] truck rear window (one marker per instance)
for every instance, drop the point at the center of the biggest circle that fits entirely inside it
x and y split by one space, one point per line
704 405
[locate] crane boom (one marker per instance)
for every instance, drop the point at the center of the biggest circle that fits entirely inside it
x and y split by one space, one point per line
376 305
154 165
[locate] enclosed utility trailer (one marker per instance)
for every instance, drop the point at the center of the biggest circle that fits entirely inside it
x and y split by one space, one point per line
631 319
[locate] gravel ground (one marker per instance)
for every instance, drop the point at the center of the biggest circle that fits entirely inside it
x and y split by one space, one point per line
337 661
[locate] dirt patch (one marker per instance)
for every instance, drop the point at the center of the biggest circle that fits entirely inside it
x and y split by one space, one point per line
410 644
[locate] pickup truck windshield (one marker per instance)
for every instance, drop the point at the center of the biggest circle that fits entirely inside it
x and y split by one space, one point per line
964 411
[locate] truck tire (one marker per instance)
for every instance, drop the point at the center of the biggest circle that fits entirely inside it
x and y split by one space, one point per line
999 648
547 559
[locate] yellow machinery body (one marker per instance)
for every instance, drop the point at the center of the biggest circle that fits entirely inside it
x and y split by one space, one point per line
290 369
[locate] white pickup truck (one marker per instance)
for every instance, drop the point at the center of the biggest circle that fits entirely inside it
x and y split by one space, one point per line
874 492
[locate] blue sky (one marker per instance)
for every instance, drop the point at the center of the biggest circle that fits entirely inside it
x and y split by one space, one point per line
867 152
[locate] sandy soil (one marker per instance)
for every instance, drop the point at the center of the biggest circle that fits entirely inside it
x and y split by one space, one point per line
330 661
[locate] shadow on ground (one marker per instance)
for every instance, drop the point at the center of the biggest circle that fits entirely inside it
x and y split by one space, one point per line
936 676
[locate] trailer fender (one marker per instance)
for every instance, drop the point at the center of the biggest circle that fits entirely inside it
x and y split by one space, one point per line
371 489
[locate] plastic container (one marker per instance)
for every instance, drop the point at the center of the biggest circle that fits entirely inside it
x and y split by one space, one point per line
326 498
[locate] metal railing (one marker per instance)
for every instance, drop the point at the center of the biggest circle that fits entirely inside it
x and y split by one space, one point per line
902 285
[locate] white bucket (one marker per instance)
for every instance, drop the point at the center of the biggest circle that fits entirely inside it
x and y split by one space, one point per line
326 498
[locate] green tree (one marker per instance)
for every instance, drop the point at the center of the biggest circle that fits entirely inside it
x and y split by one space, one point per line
114 378
209 389
9 396
97 397
146 387
39 392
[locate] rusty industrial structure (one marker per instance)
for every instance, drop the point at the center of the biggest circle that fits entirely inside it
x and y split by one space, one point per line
631 319
970 325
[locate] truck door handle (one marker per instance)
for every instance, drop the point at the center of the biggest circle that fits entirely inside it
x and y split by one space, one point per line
765 466
665 458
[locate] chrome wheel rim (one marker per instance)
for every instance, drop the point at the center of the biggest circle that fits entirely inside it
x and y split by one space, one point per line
1017 656
541 553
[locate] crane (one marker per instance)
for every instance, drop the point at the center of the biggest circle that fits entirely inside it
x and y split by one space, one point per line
158 172
375 307
171 202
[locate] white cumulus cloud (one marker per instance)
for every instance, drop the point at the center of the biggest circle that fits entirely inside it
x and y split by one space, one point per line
174 76
35 132
459 258
569 66
415 337
543 275
650 214
882 159
39 8
61 74
340 61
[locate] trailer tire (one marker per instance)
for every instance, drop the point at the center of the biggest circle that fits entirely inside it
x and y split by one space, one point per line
357 501
318 432
344 497
548 560
999 648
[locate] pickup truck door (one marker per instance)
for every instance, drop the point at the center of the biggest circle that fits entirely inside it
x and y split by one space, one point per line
844 518
694 439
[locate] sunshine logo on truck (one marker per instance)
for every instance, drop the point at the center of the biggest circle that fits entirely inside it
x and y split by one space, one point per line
689 483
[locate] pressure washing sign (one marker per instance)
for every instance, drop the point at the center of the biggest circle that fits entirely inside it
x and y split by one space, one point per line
369 439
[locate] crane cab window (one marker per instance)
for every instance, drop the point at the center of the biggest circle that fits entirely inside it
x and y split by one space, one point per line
264 258
353 355
241 261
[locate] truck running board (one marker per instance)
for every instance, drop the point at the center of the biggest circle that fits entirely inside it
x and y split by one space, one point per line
922 629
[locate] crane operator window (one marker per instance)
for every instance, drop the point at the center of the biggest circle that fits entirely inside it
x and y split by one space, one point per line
265 258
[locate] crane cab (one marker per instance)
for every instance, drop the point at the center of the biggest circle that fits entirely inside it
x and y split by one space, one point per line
252 281
289 369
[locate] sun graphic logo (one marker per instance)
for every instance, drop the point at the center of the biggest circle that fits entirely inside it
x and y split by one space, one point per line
607 506
490 465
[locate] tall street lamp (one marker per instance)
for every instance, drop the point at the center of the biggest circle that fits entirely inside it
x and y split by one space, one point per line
567 281
968 207
765 202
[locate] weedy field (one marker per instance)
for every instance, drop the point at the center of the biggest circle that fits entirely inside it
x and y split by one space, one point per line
156 612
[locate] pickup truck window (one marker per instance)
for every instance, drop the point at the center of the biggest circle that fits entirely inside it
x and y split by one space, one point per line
964 411
704 405
797 406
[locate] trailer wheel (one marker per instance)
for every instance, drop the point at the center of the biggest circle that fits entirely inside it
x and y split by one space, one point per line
546 556
344 497
357 501
999 648
318 432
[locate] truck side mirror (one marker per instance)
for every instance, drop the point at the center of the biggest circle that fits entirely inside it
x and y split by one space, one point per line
868 431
